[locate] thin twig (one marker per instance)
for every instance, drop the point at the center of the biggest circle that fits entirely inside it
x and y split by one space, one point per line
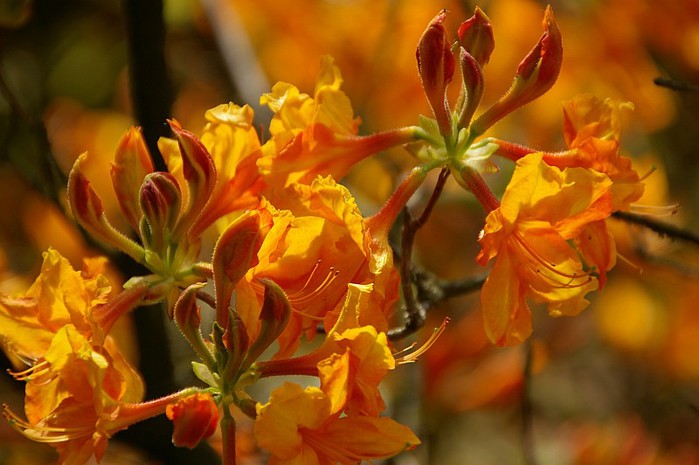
415 312
674 84
663 229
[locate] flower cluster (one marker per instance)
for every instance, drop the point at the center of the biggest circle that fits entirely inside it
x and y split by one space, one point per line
294 257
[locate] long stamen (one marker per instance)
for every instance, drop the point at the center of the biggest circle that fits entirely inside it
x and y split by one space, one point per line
40 433
412 356
33 372
654 210
302 296
551 267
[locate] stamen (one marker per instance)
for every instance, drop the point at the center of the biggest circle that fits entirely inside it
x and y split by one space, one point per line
654 210
33 373
39 433
413 356
630 263
650 171
552 268
302 296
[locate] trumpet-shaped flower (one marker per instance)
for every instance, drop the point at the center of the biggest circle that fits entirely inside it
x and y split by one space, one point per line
528 235
312 250
592 130
317 135
304 427
78 396
78 383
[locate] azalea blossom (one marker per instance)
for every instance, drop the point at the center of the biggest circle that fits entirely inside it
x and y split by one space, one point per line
317 135
79 385
313 249
304 426
528 236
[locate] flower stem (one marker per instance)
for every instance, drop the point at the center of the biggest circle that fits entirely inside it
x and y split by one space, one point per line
228 435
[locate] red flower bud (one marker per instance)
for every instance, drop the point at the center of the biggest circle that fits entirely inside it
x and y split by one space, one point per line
195 418
160 201
87 209
234 254
473 85
132 163
535 75
436 64
476 37
200 173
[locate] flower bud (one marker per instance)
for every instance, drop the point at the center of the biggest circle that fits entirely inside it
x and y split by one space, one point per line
274 316
472 86
195 418
535 75
160 202
435 63
200 173
234 254
476 37
87 209
132 163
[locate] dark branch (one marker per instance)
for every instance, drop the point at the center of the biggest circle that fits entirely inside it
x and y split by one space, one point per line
663 229
150 85
423 290
674 84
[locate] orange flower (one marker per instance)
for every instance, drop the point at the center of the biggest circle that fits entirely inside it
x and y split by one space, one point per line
195 418
78 384
592 130
542 209
312 250
302 426
230 139
317 135
77 397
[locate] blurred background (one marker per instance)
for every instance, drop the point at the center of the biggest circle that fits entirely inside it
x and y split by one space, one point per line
618 384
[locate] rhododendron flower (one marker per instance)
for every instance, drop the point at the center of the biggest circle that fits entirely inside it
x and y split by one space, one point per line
312 250
77 397
195 418
528 235
317 135
304 426
232 142
592 131
78 383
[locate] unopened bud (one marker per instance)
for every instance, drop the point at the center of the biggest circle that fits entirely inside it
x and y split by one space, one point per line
274 316
234 254
472 85
476 37
200 173
87 209
535 75
160 202
435 63
195 418
132 163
